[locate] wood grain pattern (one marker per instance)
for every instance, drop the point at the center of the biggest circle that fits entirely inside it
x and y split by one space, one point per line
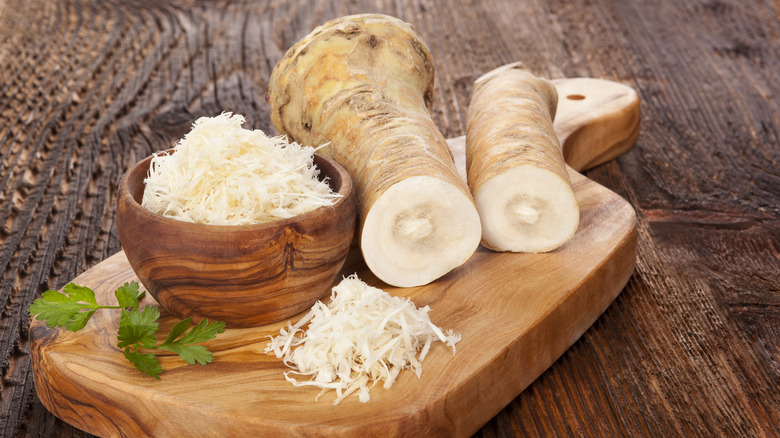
247 275
689 348
517 313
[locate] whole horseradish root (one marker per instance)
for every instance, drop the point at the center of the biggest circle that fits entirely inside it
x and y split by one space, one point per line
364 84
515 165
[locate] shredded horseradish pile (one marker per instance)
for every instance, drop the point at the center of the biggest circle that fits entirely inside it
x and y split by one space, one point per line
222 174
362 336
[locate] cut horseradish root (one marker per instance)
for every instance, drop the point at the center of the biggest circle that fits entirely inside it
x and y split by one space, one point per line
418 230
364 84
514 163
363 336
536 216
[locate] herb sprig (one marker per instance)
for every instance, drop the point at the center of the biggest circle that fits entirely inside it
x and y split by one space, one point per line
138 327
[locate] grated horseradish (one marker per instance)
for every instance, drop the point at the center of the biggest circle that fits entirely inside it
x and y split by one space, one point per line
362 336
223 174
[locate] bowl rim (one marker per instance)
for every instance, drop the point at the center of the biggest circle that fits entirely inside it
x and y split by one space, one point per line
347 191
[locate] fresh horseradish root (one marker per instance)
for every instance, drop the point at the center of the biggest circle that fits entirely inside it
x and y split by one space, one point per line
223 174
514 163
364 83
361 337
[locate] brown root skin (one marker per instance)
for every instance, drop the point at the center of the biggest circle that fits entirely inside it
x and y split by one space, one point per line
364 84
510 138
509 123
345 57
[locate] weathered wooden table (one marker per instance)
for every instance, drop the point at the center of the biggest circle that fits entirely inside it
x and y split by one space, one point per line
692 345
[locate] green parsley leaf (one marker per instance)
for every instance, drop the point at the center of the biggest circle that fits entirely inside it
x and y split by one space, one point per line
201 332
55 297
80 293
191 353
74 307
144 362
137 327
127 295
79 320
178 330
182 346
58 310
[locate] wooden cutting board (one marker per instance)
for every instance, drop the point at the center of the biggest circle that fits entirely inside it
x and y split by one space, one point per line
517 313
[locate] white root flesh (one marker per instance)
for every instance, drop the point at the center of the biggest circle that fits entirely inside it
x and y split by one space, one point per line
418 230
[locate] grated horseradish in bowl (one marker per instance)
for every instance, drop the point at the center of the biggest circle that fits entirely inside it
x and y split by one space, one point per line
260 255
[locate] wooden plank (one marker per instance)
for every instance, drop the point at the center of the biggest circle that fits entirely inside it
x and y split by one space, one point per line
689 347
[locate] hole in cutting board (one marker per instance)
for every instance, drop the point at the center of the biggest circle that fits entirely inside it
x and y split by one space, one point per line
575 97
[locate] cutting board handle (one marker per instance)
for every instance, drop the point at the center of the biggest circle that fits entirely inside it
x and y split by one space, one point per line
596 121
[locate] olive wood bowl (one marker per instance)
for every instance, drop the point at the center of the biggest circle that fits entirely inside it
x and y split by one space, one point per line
244 275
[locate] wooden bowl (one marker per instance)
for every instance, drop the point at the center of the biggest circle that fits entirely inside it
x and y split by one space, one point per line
244 275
